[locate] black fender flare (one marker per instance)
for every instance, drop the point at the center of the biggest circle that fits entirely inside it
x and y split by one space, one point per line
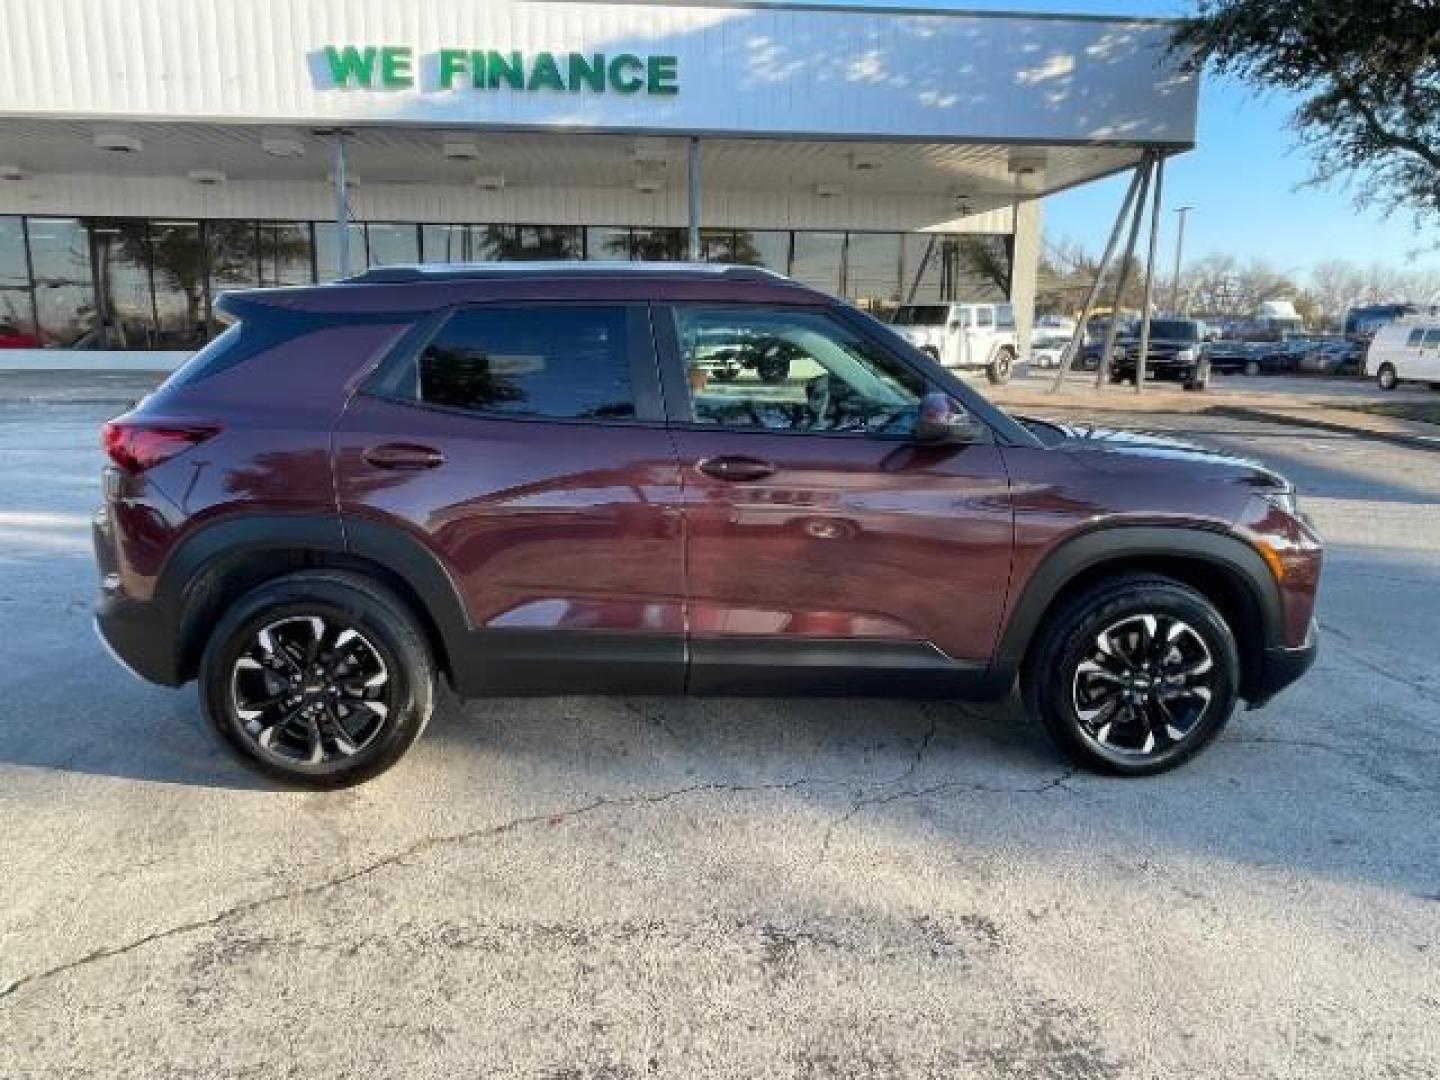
1119 544
198 567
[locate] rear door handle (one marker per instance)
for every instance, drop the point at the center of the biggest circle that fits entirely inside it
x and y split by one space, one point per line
735 468
403 456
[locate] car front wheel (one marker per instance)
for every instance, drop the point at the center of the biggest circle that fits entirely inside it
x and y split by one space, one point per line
321 678
1386 377
1135 675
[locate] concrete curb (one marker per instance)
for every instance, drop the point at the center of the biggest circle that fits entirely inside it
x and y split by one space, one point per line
1396 438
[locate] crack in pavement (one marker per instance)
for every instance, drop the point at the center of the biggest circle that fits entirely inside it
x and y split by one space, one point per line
418 847
863 802
469 836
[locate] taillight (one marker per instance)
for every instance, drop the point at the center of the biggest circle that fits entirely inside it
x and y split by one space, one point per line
135 446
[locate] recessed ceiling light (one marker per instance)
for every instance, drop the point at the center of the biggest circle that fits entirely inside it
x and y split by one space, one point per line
207 177
282 147
460 150
827 191
118 141
493 182
11 172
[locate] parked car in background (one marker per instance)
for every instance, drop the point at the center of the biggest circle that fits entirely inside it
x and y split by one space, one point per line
1237 358
522 477
1406 351
1178 351
963 336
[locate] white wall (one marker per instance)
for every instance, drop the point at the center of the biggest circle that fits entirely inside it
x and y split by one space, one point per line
131 196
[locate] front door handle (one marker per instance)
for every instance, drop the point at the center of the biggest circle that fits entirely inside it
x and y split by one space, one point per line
403 456
736 468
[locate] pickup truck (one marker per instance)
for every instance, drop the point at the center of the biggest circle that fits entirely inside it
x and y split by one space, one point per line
1178 350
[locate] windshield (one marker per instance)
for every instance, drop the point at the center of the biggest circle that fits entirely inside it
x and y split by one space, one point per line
1174 330
920 315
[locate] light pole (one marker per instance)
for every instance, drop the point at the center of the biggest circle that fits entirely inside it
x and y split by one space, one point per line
1180 211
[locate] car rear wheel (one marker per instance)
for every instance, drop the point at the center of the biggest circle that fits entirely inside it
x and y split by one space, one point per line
1387 378
320 678
1001 367
1252 368
1135 676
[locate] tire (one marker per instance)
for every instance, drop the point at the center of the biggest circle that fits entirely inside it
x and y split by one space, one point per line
1197 381
363 714
1065 684
1252 368
1001 368
1386 378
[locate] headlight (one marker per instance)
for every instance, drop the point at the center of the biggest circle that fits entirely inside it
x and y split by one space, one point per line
1185 356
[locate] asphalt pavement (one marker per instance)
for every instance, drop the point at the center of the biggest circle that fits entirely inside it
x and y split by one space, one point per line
615 888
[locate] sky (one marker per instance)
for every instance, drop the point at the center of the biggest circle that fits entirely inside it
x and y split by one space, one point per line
1244 179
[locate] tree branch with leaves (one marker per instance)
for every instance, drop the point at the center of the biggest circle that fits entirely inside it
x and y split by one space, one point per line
1367 73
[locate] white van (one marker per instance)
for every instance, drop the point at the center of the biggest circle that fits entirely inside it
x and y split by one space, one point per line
963 335
1407 350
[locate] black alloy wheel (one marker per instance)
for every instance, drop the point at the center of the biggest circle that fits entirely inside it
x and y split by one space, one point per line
1135 675
1145 685
322 678
310 690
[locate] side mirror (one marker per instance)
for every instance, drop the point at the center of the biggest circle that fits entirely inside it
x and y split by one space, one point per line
942 419
954 325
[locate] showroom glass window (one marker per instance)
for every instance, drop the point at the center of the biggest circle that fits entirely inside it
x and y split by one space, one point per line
178 258
773 369
388 243
658 245
64 282
124 299
285 253
327 250
602 242
872 274
17 311
565 362
819 260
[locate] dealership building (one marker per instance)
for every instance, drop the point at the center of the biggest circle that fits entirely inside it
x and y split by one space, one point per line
154 153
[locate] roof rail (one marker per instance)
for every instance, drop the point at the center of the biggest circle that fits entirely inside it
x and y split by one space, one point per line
406 273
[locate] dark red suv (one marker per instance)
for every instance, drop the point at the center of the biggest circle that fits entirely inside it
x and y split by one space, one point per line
572 478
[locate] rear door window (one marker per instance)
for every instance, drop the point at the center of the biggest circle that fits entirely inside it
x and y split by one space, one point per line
1432 338
559 362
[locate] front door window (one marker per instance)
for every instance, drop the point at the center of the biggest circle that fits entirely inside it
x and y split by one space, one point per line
791 370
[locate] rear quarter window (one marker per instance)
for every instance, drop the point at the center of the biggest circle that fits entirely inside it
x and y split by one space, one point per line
561 362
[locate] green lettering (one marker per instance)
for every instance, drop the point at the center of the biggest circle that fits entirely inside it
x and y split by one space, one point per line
661 73
583 71
510 69
395 68
452 63
477 69
349 64
621 82
544 74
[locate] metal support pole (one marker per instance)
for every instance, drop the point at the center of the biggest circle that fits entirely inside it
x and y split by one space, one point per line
1077 339
1155 200
342 205
920 272
1122 276
692 184
1180 212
